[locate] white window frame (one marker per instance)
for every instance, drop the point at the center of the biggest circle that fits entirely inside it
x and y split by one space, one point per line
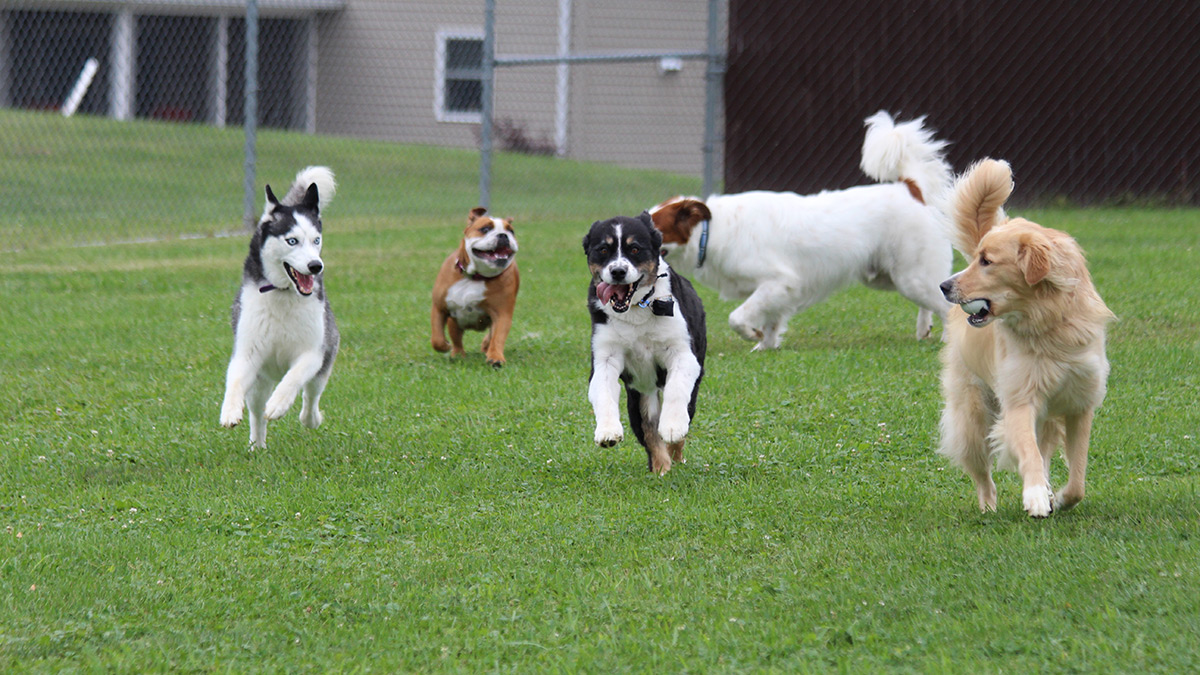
439 75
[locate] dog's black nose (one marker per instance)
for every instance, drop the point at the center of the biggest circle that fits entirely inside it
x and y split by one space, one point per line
502 239
617 273
947 286
315 267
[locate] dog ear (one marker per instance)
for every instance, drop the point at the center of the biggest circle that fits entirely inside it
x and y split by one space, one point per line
475 214
586 240
271 200
508 224
656 237
312 199
1033 258
676 217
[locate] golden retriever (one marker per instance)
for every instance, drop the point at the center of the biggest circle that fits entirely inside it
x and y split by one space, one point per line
1024 366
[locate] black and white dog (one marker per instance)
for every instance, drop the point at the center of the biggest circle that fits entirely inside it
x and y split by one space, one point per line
648 332
284 335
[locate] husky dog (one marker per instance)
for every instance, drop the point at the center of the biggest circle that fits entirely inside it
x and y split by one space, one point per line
284 335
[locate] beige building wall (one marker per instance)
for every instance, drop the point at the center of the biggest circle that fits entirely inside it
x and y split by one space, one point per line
377 65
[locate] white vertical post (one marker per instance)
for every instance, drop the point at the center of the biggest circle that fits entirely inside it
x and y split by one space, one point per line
82 84
124 66
562 91
220 84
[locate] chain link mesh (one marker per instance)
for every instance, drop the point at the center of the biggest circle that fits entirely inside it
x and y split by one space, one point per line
1093 103
167 74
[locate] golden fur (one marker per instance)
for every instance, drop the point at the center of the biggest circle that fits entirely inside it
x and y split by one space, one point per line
1028 371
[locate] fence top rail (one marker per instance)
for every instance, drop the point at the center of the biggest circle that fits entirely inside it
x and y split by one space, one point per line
630 57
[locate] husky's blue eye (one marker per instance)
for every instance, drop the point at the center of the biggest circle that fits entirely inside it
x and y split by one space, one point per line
317 241
292 241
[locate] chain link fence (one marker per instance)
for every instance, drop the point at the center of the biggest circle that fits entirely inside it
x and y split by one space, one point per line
123 120
110 111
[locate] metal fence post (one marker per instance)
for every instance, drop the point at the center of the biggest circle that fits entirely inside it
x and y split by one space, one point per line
251 108
713 76
485 122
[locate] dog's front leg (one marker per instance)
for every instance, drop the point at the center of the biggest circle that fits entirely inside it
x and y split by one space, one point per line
1019 425
604 393
501 325
1079 431
238 378
682 374
302 370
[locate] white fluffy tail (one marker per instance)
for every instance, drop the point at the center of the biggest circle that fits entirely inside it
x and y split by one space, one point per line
908 152
976 207
326 186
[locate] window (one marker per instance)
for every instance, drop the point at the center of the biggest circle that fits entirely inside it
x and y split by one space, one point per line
458 95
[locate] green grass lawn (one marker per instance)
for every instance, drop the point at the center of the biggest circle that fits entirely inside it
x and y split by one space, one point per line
449 517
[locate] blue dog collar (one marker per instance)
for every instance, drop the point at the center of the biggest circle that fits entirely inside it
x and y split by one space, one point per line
703 244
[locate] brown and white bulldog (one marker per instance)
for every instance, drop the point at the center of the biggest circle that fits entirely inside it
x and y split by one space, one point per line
476 289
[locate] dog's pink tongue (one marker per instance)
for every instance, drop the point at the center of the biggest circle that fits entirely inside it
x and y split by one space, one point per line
604 292
304 282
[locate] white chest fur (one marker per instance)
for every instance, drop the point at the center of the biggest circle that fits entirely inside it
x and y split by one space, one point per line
276 327
465 301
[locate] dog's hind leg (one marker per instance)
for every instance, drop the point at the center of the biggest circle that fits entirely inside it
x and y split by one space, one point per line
924 293
256 402
310 407
1075 450
965 421
924 323
644 413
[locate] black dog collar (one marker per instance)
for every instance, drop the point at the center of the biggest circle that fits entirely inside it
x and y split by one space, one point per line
659 306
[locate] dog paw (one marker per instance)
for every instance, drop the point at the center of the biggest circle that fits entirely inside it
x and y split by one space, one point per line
496 363
660 464
1064 501
1037 501
277 407
608 435
231 416
673 428
311 418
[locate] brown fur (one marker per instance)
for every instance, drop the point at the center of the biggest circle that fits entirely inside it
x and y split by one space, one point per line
499 298
676 217
1034 375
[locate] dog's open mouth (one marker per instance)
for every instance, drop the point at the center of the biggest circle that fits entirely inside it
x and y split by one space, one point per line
979 312
619 294
304 282
496 256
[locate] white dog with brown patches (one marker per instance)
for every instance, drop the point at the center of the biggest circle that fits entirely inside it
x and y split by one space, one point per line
785 252
1024 363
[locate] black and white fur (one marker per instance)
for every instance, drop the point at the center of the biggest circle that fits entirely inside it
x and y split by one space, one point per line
648 331
284 335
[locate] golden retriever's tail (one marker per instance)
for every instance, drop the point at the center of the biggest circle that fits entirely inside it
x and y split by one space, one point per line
977 204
